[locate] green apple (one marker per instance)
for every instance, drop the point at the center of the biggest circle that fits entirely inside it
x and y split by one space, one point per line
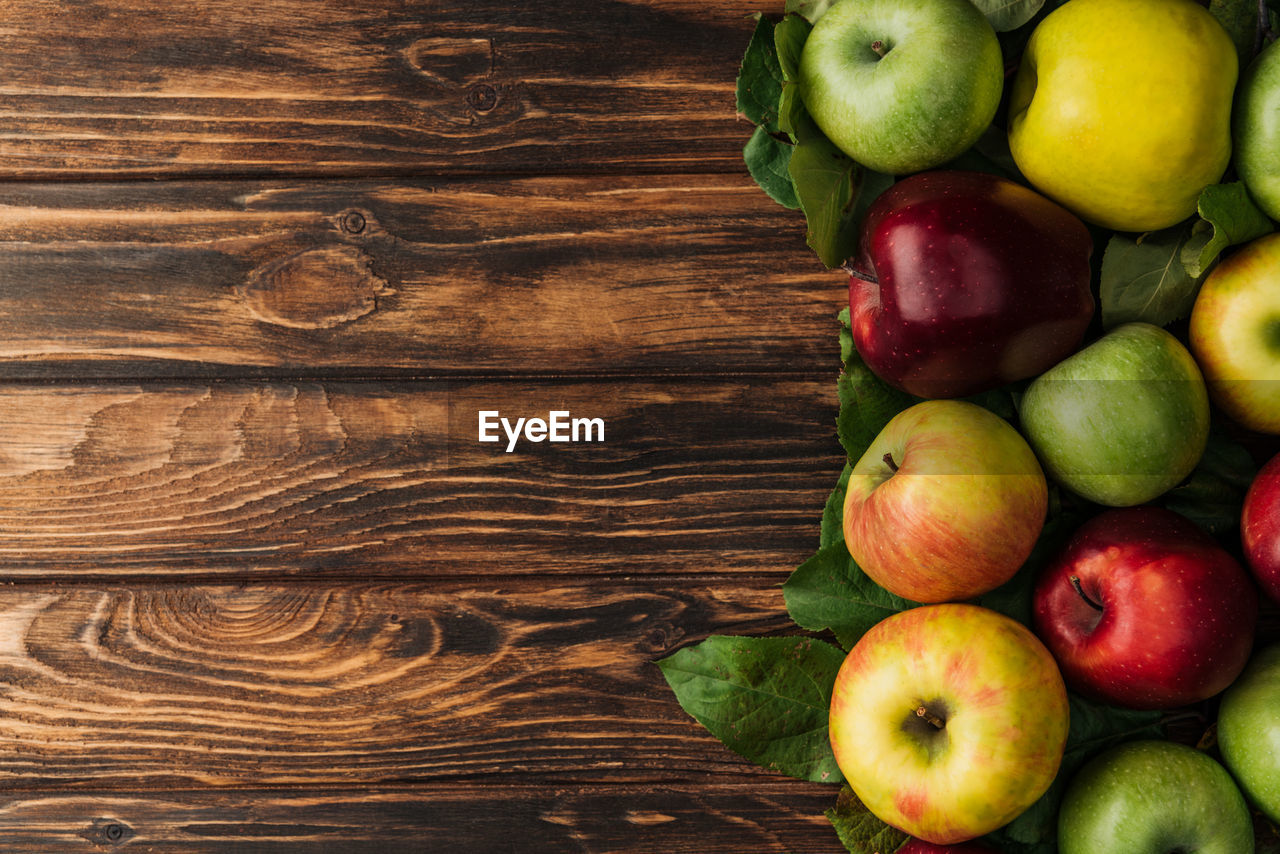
1123 420
1121 109
1249 730
1235 333
902 85
948 721
1154 797
1256 128
945 504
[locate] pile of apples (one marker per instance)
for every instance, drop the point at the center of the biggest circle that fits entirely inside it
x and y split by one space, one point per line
948 720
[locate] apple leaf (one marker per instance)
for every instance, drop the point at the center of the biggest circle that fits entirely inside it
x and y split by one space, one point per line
833 511
834 191
830 591
1213 495
789 37
866 405
1227 217
1240 19
1006 15
1145 279
760 78
767 699
810 10
767 158
858 828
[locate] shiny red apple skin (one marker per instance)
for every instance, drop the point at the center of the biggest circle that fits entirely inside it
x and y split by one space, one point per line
965 281
919 846
1177 612
1260 528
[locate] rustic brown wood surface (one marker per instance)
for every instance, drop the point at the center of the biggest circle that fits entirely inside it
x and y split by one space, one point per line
261 267
616 275
265 590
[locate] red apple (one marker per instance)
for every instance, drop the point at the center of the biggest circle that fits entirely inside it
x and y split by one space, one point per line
919 846
946 503
965 282
1145 610
1260 528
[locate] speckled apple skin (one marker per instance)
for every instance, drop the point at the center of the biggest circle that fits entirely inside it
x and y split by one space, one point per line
1178 612
1249 730
1005 728
1153 797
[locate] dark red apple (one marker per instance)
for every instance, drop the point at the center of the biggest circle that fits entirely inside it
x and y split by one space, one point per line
1145 610
1260 528
919 846
966 281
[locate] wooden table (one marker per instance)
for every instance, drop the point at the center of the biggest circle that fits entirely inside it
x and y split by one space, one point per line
261 267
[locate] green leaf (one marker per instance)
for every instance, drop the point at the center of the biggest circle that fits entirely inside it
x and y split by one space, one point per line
1213 496
1145 279
867 403
765 698
811 10
1094 727
767 159
846 338
1006 15
833 511
788 40
1227 216
830 591
858 828
827 186
760 78
1240 19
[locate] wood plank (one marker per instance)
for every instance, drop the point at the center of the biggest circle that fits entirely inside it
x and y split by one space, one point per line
324 87
725 817
389 479
350 684
542 275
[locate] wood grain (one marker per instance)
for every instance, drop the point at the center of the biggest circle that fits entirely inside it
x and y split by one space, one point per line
216 685
619 275
727 817
386 479
333 87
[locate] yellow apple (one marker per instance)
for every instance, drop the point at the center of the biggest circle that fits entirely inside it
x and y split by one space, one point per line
1235 334
1121 109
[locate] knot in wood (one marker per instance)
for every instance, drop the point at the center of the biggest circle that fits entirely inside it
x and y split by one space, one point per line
315 289
482 98
352 222
106 831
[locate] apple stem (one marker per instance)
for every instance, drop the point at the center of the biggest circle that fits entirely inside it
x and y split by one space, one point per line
1075 582
934 721
888 460
881 50
858 274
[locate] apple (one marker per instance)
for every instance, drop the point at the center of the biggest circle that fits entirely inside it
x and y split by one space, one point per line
919 846
1249 731
1123 420
1256 130
965 281
1121 109
902 85
948 721
1153 797
1260 528
1235 334
1143 609
946 502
